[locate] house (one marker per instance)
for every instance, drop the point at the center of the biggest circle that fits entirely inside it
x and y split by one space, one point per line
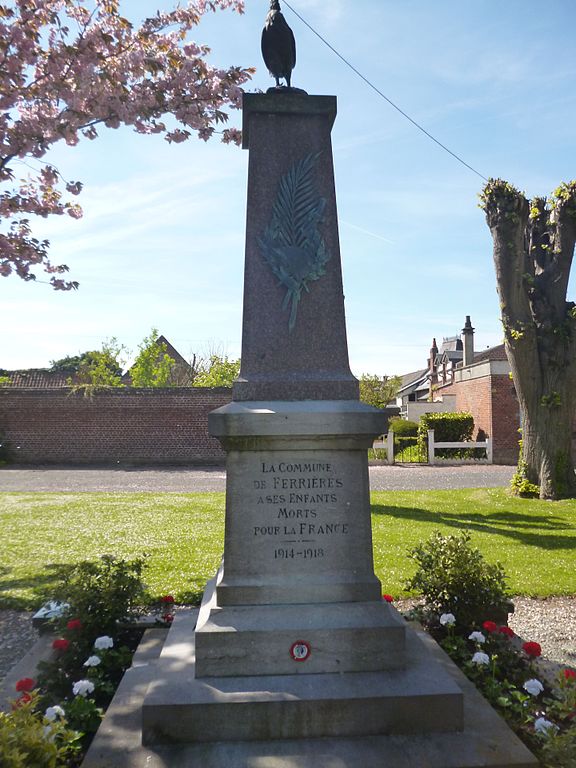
460 379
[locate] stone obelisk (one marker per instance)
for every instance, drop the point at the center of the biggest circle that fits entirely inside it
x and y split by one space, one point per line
293 634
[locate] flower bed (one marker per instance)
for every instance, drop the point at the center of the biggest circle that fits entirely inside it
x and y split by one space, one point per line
55 716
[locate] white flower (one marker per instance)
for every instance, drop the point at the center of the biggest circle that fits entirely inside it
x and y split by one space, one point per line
53 712
477 637
544 726
101 643
82 687
92 661
47 733
533 687
447 619
480 658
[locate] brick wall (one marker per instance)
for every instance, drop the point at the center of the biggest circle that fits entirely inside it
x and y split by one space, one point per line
505 420
492 402
124 426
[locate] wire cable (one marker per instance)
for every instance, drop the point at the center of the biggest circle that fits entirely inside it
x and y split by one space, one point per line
382 95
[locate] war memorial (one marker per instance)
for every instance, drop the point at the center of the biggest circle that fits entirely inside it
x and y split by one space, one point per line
295 661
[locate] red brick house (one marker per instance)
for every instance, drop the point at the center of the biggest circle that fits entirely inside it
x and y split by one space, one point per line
459 379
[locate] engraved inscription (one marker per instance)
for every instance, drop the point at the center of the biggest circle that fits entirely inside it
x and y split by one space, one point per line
300 509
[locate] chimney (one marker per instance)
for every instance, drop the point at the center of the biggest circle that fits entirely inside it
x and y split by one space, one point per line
432 376
468 340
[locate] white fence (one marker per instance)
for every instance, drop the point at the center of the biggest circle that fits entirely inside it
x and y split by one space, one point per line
433 445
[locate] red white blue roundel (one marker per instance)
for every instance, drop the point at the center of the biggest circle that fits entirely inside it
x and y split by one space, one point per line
300 650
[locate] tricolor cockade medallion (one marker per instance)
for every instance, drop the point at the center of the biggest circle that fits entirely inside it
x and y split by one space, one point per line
292 244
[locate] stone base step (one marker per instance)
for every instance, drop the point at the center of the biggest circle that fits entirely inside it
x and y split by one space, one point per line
485 741
333 637
180 708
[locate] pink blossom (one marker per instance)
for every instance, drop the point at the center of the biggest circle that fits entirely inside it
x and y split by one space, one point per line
70 68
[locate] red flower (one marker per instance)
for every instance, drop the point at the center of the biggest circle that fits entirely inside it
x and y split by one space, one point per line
168 618
60 644
167 599
74 624
532 649
490 626
24 699
388 598
570 674
25 684
504 630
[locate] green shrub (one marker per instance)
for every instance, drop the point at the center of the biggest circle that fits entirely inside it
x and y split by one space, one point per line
403 427
405 432
103 592
448 428
520 484
27 739
453 577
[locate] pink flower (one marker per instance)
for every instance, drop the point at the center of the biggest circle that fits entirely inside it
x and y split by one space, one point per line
25 684
388 598
532 649
489 626
60 644
74 624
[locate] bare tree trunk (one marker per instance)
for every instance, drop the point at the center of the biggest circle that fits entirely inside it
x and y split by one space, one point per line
533 251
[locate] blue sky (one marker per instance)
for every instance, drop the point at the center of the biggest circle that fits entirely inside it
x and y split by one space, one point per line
161 243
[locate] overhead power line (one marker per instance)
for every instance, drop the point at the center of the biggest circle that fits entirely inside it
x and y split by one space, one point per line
383 96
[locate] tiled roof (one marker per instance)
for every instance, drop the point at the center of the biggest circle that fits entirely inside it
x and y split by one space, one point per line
39 378
493 353
410 378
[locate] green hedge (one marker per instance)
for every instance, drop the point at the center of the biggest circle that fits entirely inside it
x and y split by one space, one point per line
403 428
448 428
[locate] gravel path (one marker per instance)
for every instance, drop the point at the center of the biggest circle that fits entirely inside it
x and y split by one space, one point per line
185 480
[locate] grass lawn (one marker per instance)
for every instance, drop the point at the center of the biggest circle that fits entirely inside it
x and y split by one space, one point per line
183 534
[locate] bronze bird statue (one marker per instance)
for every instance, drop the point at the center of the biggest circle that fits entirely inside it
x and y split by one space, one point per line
278 45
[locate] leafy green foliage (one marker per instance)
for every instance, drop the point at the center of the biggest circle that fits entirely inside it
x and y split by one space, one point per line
448 428
520 484
405 437
541 712
378 391
103 592
100 369
153 366
70 363
218 371
403 427
453 576
25 742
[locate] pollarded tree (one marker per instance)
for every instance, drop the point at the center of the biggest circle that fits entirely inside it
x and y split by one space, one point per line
533 250
67 67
